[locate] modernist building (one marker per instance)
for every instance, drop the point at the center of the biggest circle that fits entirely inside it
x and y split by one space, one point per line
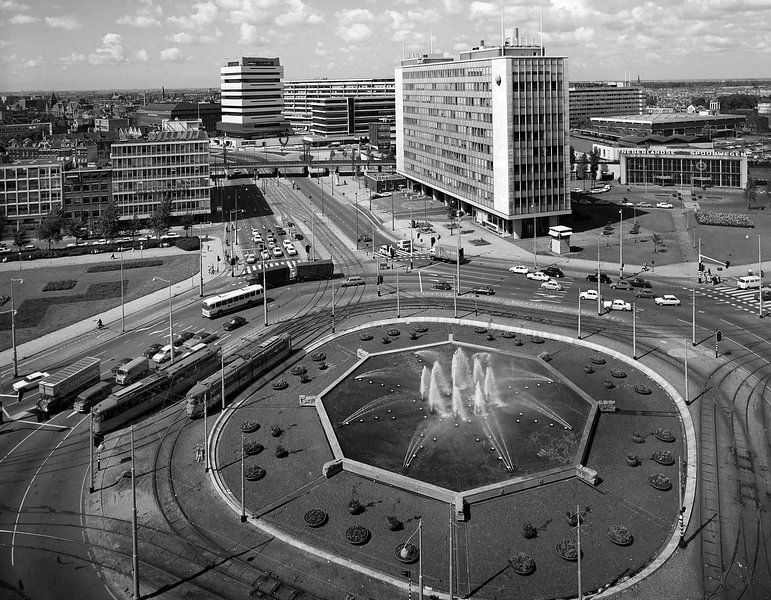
87 191
488 131
587 101
683 167
251 93
154 114
29 190
172 163
107 124
349 116
708 125
300 95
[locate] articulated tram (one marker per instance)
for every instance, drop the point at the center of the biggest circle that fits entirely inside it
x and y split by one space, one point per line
238 374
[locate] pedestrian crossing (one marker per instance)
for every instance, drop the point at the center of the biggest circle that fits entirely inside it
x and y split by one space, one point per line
740 299
269 264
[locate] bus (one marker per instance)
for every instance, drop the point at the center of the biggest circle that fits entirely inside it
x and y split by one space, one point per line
238 374
251 295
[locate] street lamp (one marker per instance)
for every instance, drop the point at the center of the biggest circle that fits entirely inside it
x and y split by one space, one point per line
760 274
171 330
599 296
356 212
122 301
621 243
13 329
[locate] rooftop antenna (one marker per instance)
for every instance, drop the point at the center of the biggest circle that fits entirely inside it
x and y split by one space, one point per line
430 41
403 49
503 35
540 15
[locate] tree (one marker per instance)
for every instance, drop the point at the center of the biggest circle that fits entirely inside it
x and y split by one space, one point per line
134 225
3 223
75 228
160 220
583 161
750 192
20 238
107 224
700 101
331 155
49 229
188 222
594 162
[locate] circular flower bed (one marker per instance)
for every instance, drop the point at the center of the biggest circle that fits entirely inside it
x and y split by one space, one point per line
323 366
618 373
632 460
365 337
394 332
660 482
254 472
574 518
318 356
480 330
357 535
298 370
386 340
537 340
522 563
618 534
315 517
664 435
509 334
597 359
642 389
250 426
421 328
279 384
567 550
252 448
638 438
407 553
663 457
588 369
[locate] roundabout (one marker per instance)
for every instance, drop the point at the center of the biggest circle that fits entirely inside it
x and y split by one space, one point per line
493 438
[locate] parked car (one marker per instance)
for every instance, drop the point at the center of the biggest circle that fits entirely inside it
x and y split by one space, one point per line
667 300
644 205
616 304
29 382
664 205
353 281
442 285
264 255
277 252
202 337
644 293
164 353
588 295
553 271
627 202
152 350
640 282
519 269
482 289
538 276
183 337
552 285
298 236
251 258
604 278
622 285
234 323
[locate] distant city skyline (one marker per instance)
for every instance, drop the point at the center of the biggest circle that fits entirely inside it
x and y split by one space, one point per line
145 44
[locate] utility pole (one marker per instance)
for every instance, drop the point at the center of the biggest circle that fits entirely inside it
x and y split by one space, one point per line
134 543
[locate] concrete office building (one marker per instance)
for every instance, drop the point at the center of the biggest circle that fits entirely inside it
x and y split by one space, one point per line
490 132
172 163
154 114
251 91
349 116
707 125
606 100
29 190
87 191
683 168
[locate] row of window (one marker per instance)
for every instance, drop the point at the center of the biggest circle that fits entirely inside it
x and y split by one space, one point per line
31 184
483 101
30 173
85 187
181 148
143 209
200 160
180 174
21 197
152 185
445 72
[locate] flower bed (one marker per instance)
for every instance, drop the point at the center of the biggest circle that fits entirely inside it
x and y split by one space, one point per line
254 472
318 356
638 438
537 340
394 332
567 550
315 517
664 435
518 342
618 373
250 426
252 448
480 330
642 389
365 337
609 385
619 535
660 482
544 356
421 328
663 457
708 217
597 359
298 370
279 384
357 535
522 563
509 334
407 553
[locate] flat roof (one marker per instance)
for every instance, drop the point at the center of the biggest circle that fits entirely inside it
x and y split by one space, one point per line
666 118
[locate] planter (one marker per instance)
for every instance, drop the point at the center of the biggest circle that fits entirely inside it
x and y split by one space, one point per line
490 337
518 342
632 460
509 334
323 366
642 389
545 356
567 550
298 370
414 335
365 337
279 384
252 448
597 359
315 517
609 385
394 332
407 553
522 563
637 438
275 430
574 518
480 330
318 356
537 340
619 535
528 531
660 482
421 328
304 378
588 369
386 340
618 373
394 524
281 452
664 435
250 426
357 535
254 473
355 507
663 457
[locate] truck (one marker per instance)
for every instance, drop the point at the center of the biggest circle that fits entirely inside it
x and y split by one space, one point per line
447 253
59 390
132 371
313 270
273 276
616 304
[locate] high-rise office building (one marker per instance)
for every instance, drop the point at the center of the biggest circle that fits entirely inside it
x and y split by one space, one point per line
605 100
488 131
251 93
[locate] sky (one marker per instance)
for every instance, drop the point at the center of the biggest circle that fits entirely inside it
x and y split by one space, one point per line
119 44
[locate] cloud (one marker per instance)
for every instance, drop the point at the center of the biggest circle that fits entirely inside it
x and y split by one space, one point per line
185 37
297 12
356 32
32 63
201 16
110 50
354 15
4 43
72 58
141 55
172 55
249 35
148 15
12 5
23 19
68 23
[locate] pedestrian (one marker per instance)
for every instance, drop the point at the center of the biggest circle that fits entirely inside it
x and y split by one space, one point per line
1 412
113 256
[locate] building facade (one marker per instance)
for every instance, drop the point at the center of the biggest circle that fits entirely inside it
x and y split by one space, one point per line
251 93
29 190
683 168
490 132
300 95
349 116
604 101
154 114
162 164
708 125
86 191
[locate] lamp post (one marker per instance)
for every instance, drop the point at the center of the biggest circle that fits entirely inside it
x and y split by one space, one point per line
693 316
264 290
599 275
760 274
579 313
535 237
621 243
243 505
356 213
13 329
393 226
122 300
200 255
457 270
171 330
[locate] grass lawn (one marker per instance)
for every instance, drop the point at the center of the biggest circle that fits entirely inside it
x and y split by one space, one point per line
41 312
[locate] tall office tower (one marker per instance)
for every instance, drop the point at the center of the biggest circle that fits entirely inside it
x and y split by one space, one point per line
603 100
252 98
488 131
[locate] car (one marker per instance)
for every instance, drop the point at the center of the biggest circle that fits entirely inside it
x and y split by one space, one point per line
616 304
640 282
553 271
644 205
119 364
538 276
353 281
298 237
442 285
280 231
622 285
257 239
152 350
482 289
667 300
604 278
664 205
552 285
29 382
251 258
202 337
519 269
165 352
264 255
627 202
183 337
644 293
365 238
289 224
588 295
291 251
234 323
287 243
277 252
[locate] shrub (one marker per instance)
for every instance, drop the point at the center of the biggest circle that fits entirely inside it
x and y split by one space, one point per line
188 243
708 217
528 531
127 264
59 285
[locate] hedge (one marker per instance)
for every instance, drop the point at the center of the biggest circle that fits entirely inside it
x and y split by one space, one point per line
59 285
127 264
188 244
706 217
